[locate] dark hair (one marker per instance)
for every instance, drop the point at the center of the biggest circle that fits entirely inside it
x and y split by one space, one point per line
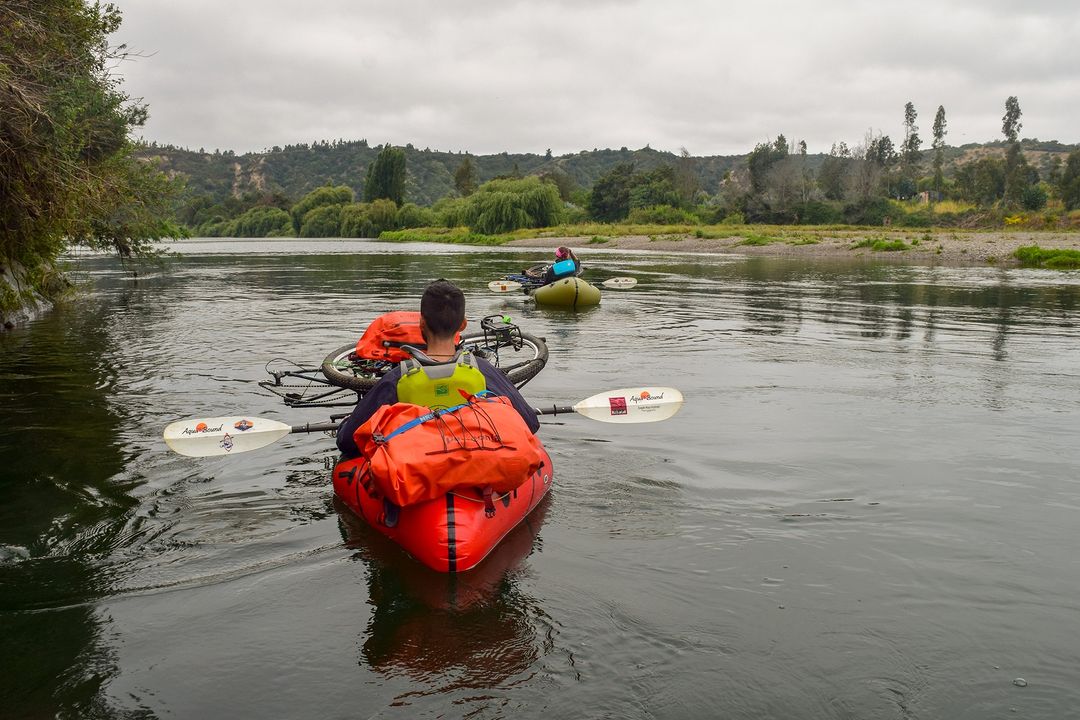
442 307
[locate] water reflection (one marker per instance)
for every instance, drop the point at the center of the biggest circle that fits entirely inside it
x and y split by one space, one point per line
806 382
450 631
64 500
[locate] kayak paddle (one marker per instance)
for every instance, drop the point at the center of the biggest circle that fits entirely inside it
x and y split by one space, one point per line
627 405
208 437
205 437
615 283
501 286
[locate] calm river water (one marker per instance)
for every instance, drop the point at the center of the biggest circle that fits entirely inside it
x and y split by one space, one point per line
866 509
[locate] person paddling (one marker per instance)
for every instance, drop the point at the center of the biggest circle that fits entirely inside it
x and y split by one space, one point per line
566 265
437 375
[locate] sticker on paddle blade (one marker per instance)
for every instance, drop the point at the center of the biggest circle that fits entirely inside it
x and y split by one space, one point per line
646 401
618 405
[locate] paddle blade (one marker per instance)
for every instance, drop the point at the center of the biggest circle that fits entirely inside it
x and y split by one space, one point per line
502 286
632 405
620 283
206 437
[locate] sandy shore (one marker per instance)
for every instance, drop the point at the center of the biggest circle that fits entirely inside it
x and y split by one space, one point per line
933 247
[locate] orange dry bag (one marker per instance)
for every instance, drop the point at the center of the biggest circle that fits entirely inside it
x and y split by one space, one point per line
387 333
417 454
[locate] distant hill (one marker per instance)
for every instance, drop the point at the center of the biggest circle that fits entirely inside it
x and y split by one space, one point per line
296 170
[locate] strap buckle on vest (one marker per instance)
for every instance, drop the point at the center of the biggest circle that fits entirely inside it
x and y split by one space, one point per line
489 505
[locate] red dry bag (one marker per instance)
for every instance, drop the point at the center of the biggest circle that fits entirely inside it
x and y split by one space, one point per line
387 333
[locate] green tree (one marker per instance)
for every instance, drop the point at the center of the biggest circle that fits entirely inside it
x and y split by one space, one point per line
465 177
322 222
910 153
1015 169
833 169
609 200
881 151
981 181
411 215
263 221
500 206
656 187
762 158
685 180
1010 122
563 182
319 197
67 167
939 148
386 176
1069 184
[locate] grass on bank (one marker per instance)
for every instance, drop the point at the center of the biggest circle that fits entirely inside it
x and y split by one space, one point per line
1054 259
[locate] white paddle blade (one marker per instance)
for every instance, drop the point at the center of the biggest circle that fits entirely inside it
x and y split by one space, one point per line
206 437
502 286
620 283
632 405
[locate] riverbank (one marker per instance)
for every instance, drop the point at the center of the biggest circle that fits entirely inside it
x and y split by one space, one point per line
931 247
21 298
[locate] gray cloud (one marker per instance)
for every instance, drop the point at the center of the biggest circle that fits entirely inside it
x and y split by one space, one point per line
487 76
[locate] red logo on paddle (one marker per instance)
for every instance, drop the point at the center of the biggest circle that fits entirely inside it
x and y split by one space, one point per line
618 405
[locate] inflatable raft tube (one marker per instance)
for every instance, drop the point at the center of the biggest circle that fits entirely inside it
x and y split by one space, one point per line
448 534
569 292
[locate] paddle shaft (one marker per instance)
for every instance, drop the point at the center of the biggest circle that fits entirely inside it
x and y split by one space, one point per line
314 427
555 410
330 426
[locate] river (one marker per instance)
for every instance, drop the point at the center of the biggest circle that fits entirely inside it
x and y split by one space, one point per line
866 508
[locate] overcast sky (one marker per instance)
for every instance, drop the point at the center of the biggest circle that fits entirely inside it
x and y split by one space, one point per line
486 76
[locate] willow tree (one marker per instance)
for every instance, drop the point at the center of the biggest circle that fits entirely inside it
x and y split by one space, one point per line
500 206
67 167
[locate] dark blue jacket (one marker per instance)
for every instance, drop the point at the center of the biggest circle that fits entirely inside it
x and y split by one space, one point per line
385 393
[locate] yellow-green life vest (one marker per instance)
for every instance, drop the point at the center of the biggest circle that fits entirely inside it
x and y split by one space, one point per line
440 386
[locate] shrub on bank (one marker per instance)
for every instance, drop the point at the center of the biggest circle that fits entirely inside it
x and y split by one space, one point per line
1054 259
663 215
322 222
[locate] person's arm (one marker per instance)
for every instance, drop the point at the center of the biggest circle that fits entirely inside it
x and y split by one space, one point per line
383 393
498 383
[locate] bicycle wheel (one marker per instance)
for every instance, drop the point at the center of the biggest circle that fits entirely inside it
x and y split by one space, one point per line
520 365
343 369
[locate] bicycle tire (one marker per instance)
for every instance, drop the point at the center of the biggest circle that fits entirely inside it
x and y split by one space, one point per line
518 374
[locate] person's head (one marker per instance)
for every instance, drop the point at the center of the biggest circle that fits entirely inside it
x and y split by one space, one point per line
442 310
563 252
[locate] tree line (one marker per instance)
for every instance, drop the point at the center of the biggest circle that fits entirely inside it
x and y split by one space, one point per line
876 182
70 172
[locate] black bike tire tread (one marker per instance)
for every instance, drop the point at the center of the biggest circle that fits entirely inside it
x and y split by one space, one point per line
518 375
